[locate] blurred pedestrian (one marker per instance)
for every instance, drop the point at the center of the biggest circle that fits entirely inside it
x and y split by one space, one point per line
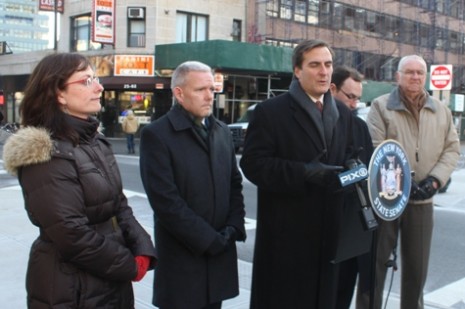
346 87
425 128
292 153
189 171
130 126
90 246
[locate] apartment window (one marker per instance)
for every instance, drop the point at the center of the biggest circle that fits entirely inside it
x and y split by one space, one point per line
191 27
272 7
391 28
337 17
136 27
456 9
409 32
80 34
425 36
440 39
454 41
286 9
440 6
300 10
349 18
370 23
322 15
236 30
360 16
313 10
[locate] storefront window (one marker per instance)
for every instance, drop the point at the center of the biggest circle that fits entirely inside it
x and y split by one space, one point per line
115 106
139 102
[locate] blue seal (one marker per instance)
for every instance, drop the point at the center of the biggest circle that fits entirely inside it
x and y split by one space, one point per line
389 180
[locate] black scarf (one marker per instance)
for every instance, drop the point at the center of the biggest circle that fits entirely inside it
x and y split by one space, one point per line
324 122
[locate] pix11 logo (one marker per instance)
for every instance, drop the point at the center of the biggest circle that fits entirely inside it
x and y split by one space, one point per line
389 180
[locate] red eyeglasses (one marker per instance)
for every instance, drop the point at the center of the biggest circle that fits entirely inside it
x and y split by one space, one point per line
86 81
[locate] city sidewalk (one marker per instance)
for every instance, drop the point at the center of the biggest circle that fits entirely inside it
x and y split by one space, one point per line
17 234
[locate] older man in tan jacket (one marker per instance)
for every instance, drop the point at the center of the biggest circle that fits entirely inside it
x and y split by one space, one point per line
424 127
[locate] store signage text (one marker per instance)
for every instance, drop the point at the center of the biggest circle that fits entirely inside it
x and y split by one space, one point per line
130 86
49 5
134 65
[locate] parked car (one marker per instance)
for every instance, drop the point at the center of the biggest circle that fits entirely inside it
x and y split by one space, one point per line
239 128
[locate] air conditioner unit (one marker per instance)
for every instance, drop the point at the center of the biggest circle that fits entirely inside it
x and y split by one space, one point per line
136 13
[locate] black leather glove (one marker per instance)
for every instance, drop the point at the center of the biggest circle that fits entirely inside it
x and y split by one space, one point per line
229 233
224 238
218 245
424 190
320 173
428 187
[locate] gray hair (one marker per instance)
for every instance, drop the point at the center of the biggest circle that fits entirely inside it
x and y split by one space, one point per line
179 75
407 58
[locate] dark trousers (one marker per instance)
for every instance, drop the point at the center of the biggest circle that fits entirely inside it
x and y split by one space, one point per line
415 228
346 285
130 142
213 306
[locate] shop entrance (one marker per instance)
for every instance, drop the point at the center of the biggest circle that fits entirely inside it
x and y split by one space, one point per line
116 104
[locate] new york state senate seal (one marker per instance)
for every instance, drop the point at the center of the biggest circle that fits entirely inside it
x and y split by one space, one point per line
389 180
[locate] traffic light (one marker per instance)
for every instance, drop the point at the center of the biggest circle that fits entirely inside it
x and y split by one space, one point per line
2 99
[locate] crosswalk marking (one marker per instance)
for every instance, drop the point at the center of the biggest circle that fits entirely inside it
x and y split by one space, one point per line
449 295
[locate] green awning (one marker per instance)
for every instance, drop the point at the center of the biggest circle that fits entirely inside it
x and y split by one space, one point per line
373 89
227 56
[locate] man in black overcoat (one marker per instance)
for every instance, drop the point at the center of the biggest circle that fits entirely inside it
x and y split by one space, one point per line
293 153
189 171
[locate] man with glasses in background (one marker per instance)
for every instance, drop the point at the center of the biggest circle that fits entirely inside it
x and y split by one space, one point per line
346 87
424 127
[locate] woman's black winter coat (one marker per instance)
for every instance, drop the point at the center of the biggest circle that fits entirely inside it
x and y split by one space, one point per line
84 256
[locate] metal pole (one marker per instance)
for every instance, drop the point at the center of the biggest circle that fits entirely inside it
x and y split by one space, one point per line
55 35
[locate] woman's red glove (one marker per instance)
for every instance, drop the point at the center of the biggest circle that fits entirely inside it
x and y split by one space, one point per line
143 263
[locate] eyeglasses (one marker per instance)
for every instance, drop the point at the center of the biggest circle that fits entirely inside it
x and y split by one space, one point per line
86 81
350 96
413 72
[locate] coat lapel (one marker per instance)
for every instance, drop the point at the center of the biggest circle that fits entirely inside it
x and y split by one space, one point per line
180 122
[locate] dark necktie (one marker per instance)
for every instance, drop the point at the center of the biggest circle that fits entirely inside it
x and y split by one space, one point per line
201 129
319 105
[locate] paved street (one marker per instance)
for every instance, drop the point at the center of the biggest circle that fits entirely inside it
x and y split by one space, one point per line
17 234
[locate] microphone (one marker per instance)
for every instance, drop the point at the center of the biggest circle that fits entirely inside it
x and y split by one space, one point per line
356 173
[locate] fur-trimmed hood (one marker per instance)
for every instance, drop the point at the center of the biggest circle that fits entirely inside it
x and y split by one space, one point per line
29 145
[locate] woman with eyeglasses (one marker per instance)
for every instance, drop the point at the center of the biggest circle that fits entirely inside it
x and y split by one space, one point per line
90 246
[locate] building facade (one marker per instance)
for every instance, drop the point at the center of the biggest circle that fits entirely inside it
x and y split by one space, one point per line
121 38
121 44
368 35
22 29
